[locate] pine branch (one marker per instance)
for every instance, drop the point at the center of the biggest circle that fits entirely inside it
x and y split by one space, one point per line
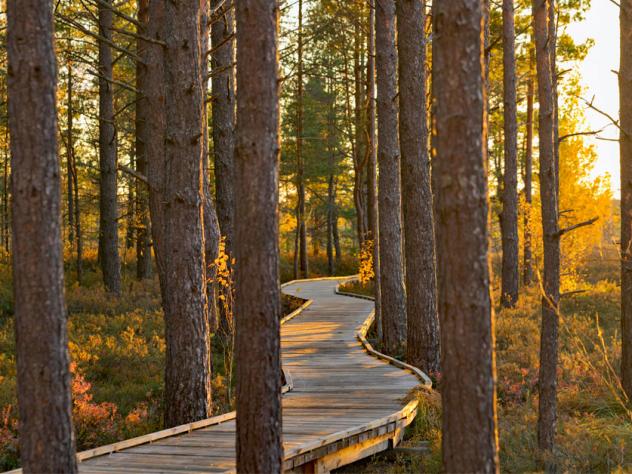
573 227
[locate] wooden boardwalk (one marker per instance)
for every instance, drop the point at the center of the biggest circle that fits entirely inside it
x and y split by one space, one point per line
343 404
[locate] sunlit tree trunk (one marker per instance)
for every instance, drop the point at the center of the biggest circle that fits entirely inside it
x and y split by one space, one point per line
421 287
460 183
108 206
47 442
300 164
223 117
528 178
175 151
389 196
625 92
547 415
509 216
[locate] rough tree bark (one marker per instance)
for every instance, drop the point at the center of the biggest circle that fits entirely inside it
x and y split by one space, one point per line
547 414
175 153
70 197
528 178
509 217
143 127
358 151
371 173
108 207
460 182
625 91
300 165
421 304
389 196
223 126
257 349
47 442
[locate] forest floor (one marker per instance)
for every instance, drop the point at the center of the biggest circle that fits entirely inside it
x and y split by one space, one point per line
117 351
595 425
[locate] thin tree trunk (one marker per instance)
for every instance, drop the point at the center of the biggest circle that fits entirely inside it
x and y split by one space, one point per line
130 230
528 177
389 198
357 149
547 415
556 131
421 286
79 258
69 156
212 235
331 179
300 165
625 91
460 182
47 442
108 207
175 150
5 199
259 447
223 117
509 216
143 128
371 175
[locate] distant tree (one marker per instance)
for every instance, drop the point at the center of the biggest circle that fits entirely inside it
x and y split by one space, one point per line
625 92
142 128
421 285
47 441
528 178
108 190
509 215
460 183
547 415
223 117
258 354
175 151
393 300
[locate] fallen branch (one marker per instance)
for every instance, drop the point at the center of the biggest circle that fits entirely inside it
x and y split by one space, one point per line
571 293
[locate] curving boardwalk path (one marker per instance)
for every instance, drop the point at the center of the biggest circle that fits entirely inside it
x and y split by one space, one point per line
344 404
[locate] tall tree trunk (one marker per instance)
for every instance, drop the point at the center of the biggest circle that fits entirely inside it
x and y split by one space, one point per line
223 117
131 217
357 148
5 199
552 45
331 197
550 300
509 216
300 165
175 150
259 447
47 442
108 208
389 197
528 177
212 235
460 182
69 155
371 174
143 128
625 91
421 285
79 256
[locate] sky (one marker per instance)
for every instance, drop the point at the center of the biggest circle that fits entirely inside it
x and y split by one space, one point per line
602 25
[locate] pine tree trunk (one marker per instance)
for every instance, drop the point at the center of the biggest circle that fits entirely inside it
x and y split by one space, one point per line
625 91
358 151
143 127
547 415
421 304
509 216
47 442
371 174
556 135
175 150
69 156
389 196
300 165
223 117
258 354
528 177
108 207
460 184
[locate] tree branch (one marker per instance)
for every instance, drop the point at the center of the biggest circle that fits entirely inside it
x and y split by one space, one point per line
134 173
568 229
